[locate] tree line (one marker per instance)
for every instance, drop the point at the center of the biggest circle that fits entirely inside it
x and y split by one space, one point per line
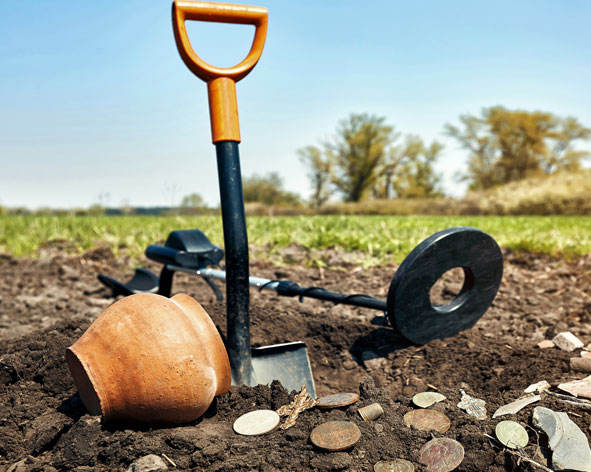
367 159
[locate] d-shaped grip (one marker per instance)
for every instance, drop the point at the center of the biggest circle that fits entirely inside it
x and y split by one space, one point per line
223 108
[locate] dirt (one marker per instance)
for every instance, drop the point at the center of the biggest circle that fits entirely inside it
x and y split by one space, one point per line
48 302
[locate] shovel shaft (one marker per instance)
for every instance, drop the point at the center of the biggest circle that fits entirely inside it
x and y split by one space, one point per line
236 245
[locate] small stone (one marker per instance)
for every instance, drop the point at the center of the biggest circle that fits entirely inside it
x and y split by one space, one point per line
545 344
256 422
373 361
569 445
516 406
578 388
149 463
331 462
585 354
581 364
567 341
473 406
349 365
511 434
538 387
427 399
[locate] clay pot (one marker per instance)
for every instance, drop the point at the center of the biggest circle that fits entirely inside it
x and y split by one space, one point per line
152 359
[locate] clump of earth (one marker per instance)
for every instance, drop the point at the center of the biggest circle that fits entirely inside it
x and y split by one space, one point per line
46 304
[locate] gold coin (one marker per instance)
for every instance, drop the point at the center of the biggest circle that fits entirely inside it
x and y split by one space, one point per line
427 420
335 435
337 400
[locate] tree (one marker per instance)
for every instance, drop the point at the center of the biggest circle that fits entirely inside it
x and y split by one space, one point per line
416 177
193 201
319 172
408 170
268 190
357 152
507 145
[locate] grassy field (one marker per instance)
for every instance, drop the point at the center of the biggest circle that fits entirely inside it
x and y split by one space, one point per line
376 238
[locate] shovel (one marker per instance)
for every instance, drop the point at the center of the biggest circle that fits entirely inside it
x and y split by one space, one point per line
288 363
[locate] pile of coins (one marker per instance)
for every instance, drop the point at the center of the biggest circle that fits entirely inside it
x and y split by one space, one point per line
437 455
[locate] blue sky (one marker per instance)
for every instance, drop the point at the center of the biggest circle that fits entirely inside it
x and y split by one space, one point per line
95 100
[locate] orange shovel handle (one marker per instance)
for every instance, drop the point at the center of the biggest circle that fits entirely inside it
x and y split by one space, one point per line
220 80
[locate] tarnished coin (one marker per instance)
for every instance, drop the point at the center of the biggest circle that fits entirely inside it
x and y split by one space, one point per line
427 399
337 400
441 455
256 422
335 435
398 465
512 434
427 420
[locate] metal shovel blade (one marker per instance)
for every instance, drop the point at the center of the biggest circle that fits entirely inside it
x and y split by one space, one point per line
289 363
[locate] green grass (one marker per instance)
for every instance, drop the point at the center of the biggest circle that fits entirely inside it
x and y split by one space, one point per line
376 238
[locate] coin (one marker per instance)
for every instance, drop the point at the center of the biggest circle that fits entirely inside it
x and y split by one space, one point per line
512 434
441 455
335 435
398 465
427 420
256 422
337 400
426 399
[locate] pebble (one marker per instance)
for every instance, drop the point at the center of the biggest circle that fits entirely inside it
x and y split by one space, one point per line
256 422
397 465
538 387
427 420
335 435
441 455
149 463
473 406
337 400
567 341
511 434
586 354
427 399
545 344
581 364
569 445
373 361
578 388
516 406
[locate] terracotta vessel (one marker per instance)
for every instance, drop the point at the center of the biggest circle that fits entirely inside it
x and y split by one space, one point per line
149 358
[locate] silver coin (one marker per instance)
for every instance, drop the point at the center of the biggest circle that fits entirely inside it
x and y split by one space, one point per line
256 422
426 399
512 434
398 465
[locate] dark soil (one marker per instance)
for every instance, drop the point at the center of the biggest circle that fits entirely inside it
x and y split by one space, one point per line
46 304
